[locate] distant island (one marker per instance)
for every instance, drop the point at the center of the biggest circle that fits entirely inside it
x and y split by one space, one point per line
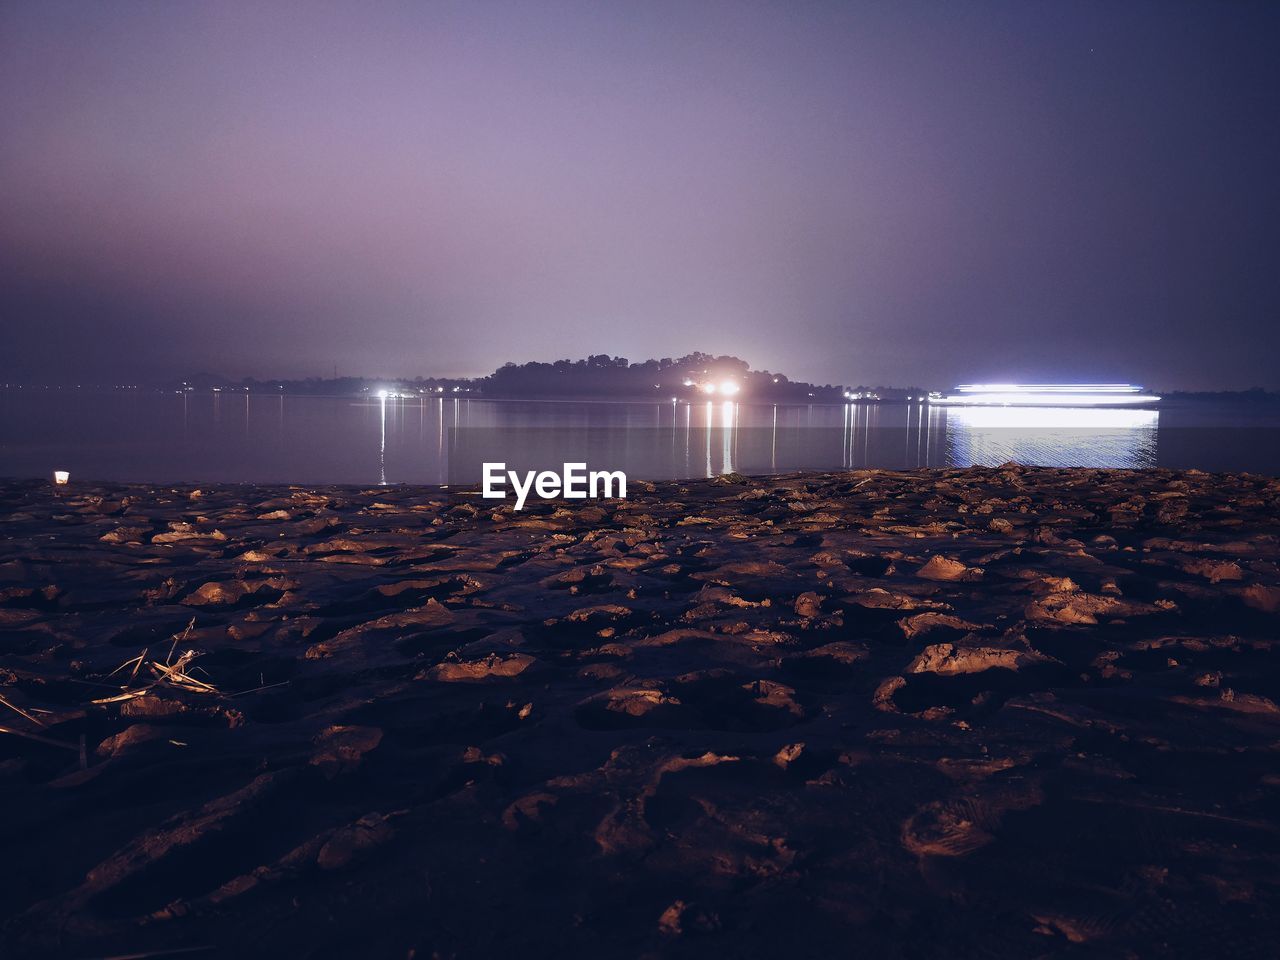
697 376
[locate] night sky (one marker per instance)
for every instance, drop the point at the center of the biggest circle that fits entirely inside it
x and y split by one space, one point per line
887 192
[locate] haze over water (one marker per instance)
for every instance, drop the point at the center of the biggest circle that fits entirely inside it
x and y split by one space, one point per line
263 438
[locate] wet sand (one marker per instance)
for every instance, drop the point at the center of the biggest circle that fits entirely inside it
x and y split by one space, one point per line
946 713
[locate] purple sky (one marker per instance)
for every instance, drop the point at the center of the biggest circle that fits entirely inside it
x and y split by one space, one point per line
881 192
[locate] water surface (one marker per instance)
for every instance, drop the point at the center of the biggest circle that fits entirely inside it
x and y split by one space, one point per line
242 437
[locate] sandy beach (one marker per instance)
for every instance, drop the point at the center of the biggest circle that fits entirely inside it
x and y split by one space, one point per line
1005 712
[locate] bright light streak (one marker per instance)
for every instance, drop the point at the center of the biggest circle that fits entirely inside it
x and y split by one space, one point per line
1048 388
1050 399
1049 394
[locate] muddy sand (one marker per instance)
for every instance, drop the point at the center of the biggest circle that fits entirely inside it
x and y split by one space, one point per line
961 713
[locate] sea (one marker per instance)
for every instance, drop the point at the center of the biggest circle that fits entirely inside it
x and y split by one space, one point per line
263 437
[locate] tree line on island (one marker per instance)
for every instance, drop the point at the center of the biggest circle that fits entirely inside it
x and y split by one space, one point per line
696 376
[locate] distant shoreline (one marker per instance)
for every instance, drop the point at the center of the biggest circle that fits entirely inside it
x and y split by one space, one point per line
1246 396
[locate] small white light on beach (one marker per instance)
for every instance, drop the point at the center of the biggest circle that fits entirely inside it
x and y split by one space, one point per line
61 477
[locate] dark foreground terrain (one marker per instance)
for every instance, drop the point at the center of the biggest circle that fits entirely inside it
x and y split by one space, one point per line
969 713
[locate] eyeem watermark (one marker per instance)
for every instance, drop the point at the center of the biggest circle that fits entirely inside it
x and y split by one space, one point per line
573 483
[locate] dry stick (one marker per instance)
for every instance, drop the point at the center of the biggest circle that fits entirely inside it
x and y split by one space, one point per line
171 672
16 709
136 661
178 676
265 686
177 638
121 697
91 683
39 739
137 665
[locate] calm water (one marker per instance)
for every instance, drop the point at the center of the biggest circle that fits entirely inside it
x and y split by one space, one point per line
209 437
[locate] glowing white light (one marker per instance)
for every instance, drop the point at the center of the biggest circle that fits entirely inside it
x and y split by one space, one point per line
1049 394
382 394
61 477
728 388
1048 388
708 388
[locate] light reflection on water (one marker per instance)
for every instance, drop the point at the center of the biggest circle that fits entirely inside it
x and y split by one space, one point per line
276 438
1052 436
757 439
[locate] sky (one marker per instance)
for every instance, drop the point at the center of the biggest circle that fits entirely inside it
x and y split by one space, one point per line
886 192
